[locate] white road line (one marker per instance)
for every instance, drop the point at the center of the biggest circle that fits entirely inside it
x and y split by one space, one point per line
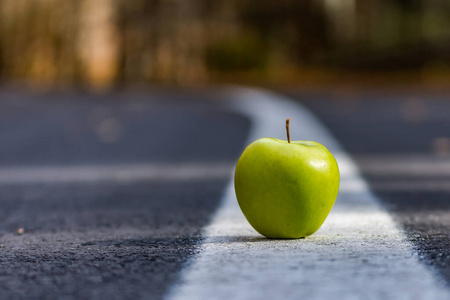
116 173
359 253
404 165
412 185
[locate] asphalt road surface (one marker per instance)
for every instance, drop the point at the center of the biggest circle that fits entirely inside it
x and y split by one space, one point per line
401 142
102 237
107 196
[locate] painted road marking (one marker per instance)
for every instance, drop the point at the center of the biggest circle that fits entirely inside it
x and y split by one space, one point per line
406 172
404 165
359 253
116 173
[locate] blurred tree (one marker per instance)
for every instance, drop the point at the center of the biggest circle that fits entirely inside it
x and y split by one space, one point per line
108 42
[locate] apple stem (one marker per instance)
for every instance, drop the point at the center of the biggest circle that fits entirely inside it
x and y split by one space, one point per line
287 131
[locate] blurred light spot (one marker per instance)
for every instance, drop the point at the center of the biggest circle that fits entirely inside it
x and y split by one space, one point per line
441 146
413 111
109 130
98 114
99 42
20 231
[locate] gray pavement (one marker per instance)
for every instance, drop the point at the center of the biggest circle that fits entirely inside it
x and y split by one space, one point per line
107 238
401 142
129 236
358 253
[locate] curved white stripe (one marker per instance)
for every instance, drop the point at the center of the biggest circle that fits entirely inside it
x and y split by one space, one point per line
359 253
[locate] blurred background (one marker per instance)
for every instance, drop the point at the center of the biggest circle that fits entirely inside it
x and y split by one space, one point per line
108 43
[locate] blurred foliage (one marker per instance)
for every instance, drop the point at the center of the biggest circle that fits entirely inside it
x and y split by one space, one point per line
110 42
238 54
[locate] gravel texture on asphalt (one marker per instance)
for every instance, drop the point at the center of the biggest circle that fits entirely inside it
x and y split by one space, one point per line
383 128
106 239
358 253
102 241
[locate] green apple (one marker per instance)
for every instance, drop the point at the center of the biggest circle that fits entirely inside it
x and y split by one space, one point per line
286 189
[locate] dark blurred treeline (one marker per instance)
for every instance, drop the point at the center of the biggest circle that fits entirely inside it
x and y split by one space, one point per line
109 42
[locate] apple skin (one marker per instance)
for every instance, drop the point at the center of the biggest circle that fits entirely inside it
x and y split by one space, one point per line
286 190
